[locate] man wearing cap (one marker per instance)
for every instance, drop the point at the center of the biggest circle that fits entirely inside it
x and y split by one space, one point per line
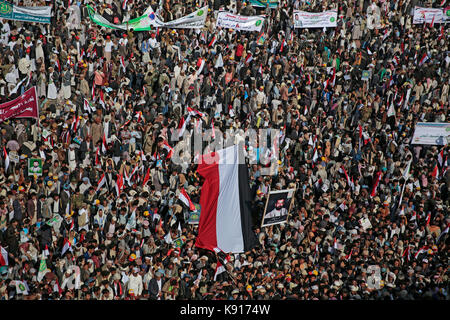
234 295
85 185
118 288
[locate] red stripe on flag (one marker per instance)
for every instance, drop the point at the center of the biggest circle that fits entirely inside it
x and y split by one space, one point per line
207 234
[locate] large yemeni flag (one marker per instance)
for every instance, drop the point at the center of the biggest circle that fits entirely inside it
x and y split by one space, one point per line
225 221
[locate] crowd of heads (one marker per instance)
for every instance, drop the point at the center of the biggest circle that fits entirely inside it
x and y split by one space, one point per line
370 214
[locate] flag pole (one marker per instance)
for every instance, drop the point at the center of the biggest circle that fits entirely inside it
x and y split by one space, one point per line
401 195
265 208
292 203
226 269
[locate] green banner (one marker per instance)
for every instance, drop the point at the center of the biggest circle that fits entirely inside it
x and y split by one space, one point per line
149 21
6 10
98 19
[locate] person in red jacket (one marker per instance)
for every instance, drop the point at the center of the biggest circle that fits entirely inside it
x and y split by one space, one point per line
239 50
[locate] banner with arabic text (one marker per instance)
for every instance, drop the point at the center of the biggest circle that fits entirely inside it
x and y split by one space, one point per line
431 133
149 20
27 14
243 23
304 19
25 106
194 20
427 15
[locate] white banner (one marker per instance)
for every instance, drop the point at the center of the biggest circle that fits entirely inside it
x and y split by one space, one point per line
304 19
35 11
432 133
426 15
237 22
194 20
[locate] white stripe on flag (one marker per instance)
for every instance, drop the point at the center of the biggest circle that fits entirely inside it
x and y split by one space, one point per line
228 219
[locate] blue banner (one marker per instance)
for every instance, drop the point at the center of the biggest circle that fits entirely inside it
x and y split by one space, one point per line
264 3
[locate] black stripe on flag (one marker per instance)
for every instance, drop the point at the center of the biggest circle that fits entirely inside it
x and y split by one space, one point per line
248 235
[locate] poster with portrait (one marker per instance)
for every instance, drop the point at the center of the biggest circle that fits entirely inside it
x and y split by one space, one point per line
326 19
365 223
194 216
35 166
278 205
373 277
365 75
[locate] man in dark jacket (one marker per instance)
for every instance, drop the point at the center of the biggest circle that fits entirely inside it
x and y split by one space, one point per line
12 238
18 212
33 207
155 286
44 236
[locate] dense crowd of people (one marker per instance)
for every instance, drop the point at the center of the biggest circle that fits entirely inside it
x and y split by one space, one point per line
370 216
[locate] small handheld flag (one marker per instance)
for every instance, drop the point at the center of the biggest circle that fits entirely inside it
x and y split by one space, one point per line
6 159
184 197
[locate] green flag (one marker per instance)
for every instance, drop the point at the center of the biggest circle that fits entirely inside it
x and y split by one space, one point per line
383 71
178 243
98 19
57 218
42 269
